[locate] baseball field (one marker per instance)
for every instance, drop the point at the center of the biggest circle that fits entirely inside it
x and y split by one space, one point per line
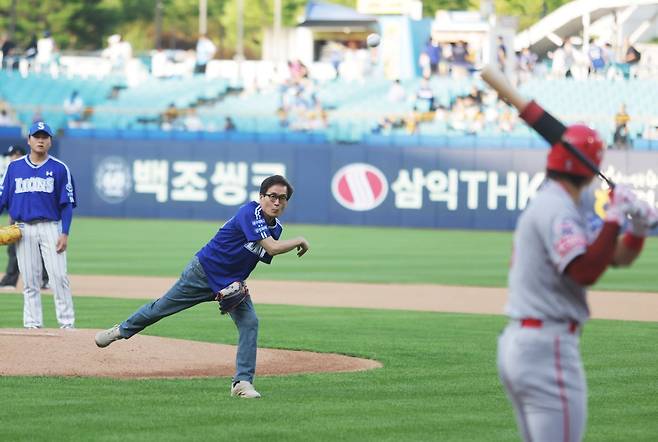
437 379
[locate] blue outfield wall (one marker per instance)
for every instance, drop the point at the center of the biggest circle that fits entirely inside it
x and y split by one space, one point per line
334 184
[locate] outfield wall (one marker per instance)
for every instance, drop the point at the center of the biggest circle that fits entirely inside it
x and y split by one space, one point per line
335 184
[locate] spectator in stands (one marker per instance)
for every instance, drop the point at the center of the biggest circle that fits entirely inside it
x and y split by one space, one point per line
118 52
6 119
229 125
424 97
46 59
31 50
527 62
598 58
621 138
169 118
396 92
192 122
460 58
501 54
205 51
74 107
433 52
563 60
8 47
631 58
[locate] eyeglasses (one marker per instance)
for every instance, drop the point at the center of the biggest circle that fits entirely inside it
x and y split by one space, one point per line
283 198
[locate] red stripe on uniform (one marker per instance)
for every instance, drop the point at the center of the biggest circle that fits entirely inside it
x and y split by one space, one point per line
563 393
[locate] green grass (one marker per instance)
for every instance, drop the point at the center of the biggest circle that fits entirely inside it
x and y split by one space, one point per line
438 382
338 253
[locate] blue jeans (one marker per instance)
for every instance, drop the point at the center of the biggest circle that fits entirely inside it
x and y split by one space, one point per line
191 289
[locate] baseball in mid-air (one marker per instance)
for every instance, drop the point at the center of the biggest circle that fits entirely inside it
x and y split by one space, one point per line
373 40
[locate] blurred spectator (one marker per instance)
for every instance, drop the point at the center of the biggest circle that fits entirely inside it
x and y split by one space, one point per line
621 138
563 60
229 125
598 58
336 56
205 51
31 50
501 54
37 115
527 63
631 58
46 57
6 119
396 93
460 58
169 118
424 97
73 108
8 47
118 52
433 54
192 122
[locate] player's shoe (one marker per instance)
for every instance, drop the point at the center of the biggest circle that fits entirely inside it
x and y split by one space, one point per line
106 337
67 327
244 389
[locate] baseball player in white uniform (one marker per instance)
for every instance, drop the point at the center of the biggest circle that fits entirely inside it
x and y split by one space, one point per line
38 191
557 253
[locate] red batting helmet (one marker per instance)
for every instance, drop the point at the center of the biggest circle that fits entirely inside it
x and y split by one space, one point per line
583 138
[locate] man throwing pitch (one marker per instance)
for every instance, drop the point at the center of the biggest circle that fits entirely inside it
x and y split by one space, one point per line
557 253
218 272
39 193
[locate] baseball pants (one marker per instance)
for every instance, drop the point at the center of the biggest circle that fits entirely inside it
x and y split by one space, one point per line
543 375
40 240
191 289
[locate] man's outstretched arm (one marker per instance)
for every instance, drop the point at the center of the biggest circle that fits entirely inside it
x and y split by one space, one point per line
277 247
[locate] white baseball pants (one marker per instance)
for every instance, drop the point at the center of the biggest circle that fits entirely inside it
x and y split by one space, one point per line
543 375
40 239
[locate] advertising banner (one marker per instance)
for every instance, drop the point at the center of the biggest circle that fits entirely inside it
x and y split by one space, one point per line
334 184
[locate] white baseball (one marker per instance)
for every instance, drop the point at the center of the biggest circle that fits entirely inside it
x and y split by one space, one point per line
373 40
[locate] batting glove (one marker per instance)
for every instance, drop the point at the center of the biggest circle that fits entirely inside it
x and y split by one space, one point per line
643 218
622 204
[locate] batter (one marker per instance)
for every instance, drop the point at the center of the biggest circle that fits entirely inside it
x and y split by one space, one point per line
557 254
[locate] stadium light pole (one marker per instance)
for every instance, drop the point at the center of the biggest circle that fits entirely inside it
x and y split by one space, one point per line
203 17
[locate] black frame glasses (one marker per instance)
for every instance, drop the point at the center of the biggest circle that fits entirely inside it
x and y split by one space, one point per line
283 198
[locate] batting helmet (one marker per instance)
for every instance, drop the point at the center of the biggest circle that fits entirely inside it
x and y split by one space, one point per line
583 138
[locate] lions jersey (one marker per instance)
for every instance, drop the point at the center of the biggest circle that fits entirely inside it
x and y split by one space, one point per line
232 254
36 192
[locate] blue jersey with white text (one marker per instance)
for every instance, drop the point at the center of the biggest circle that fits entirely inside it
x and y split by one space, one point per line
36 192
234 251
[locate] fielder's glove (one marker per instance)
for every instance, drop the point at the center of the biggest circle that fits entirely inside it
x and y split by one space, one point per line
9 234
232 296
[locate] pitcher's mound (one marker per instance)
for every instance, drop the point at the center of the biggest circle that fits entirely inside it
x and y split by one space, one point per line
54 352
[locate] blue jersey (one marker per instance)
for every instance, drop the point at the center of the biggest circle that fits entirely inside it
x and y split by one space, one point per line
234 251
37 192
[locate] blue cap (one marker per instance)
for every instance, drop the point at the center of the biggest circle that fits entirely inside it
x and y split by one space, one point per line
40 126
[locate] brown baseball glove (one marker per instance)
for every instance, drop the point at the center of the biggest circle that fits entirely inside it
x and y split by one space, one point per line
9 234
232 296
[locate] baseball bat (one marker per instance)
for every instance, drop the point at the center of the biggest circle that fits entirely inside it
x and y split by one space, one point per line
547 126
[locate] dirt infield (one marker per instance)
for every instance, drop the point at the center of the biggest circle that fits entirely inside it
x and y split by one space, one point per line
50 352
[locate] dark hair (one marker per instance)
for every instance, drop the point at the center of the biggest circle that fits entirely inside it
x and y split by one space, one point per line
577 180
274 180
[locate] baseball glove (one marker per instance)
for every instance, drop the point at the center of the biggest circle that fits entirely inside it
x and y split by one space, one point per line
9 234
231 296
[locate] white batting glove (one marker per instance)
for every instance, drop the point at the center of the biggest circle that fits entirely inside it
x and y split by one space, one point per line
643 218
622 204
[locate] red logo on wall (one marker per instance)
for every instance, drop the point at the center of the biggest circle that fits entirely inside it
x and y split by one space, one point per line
359 187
